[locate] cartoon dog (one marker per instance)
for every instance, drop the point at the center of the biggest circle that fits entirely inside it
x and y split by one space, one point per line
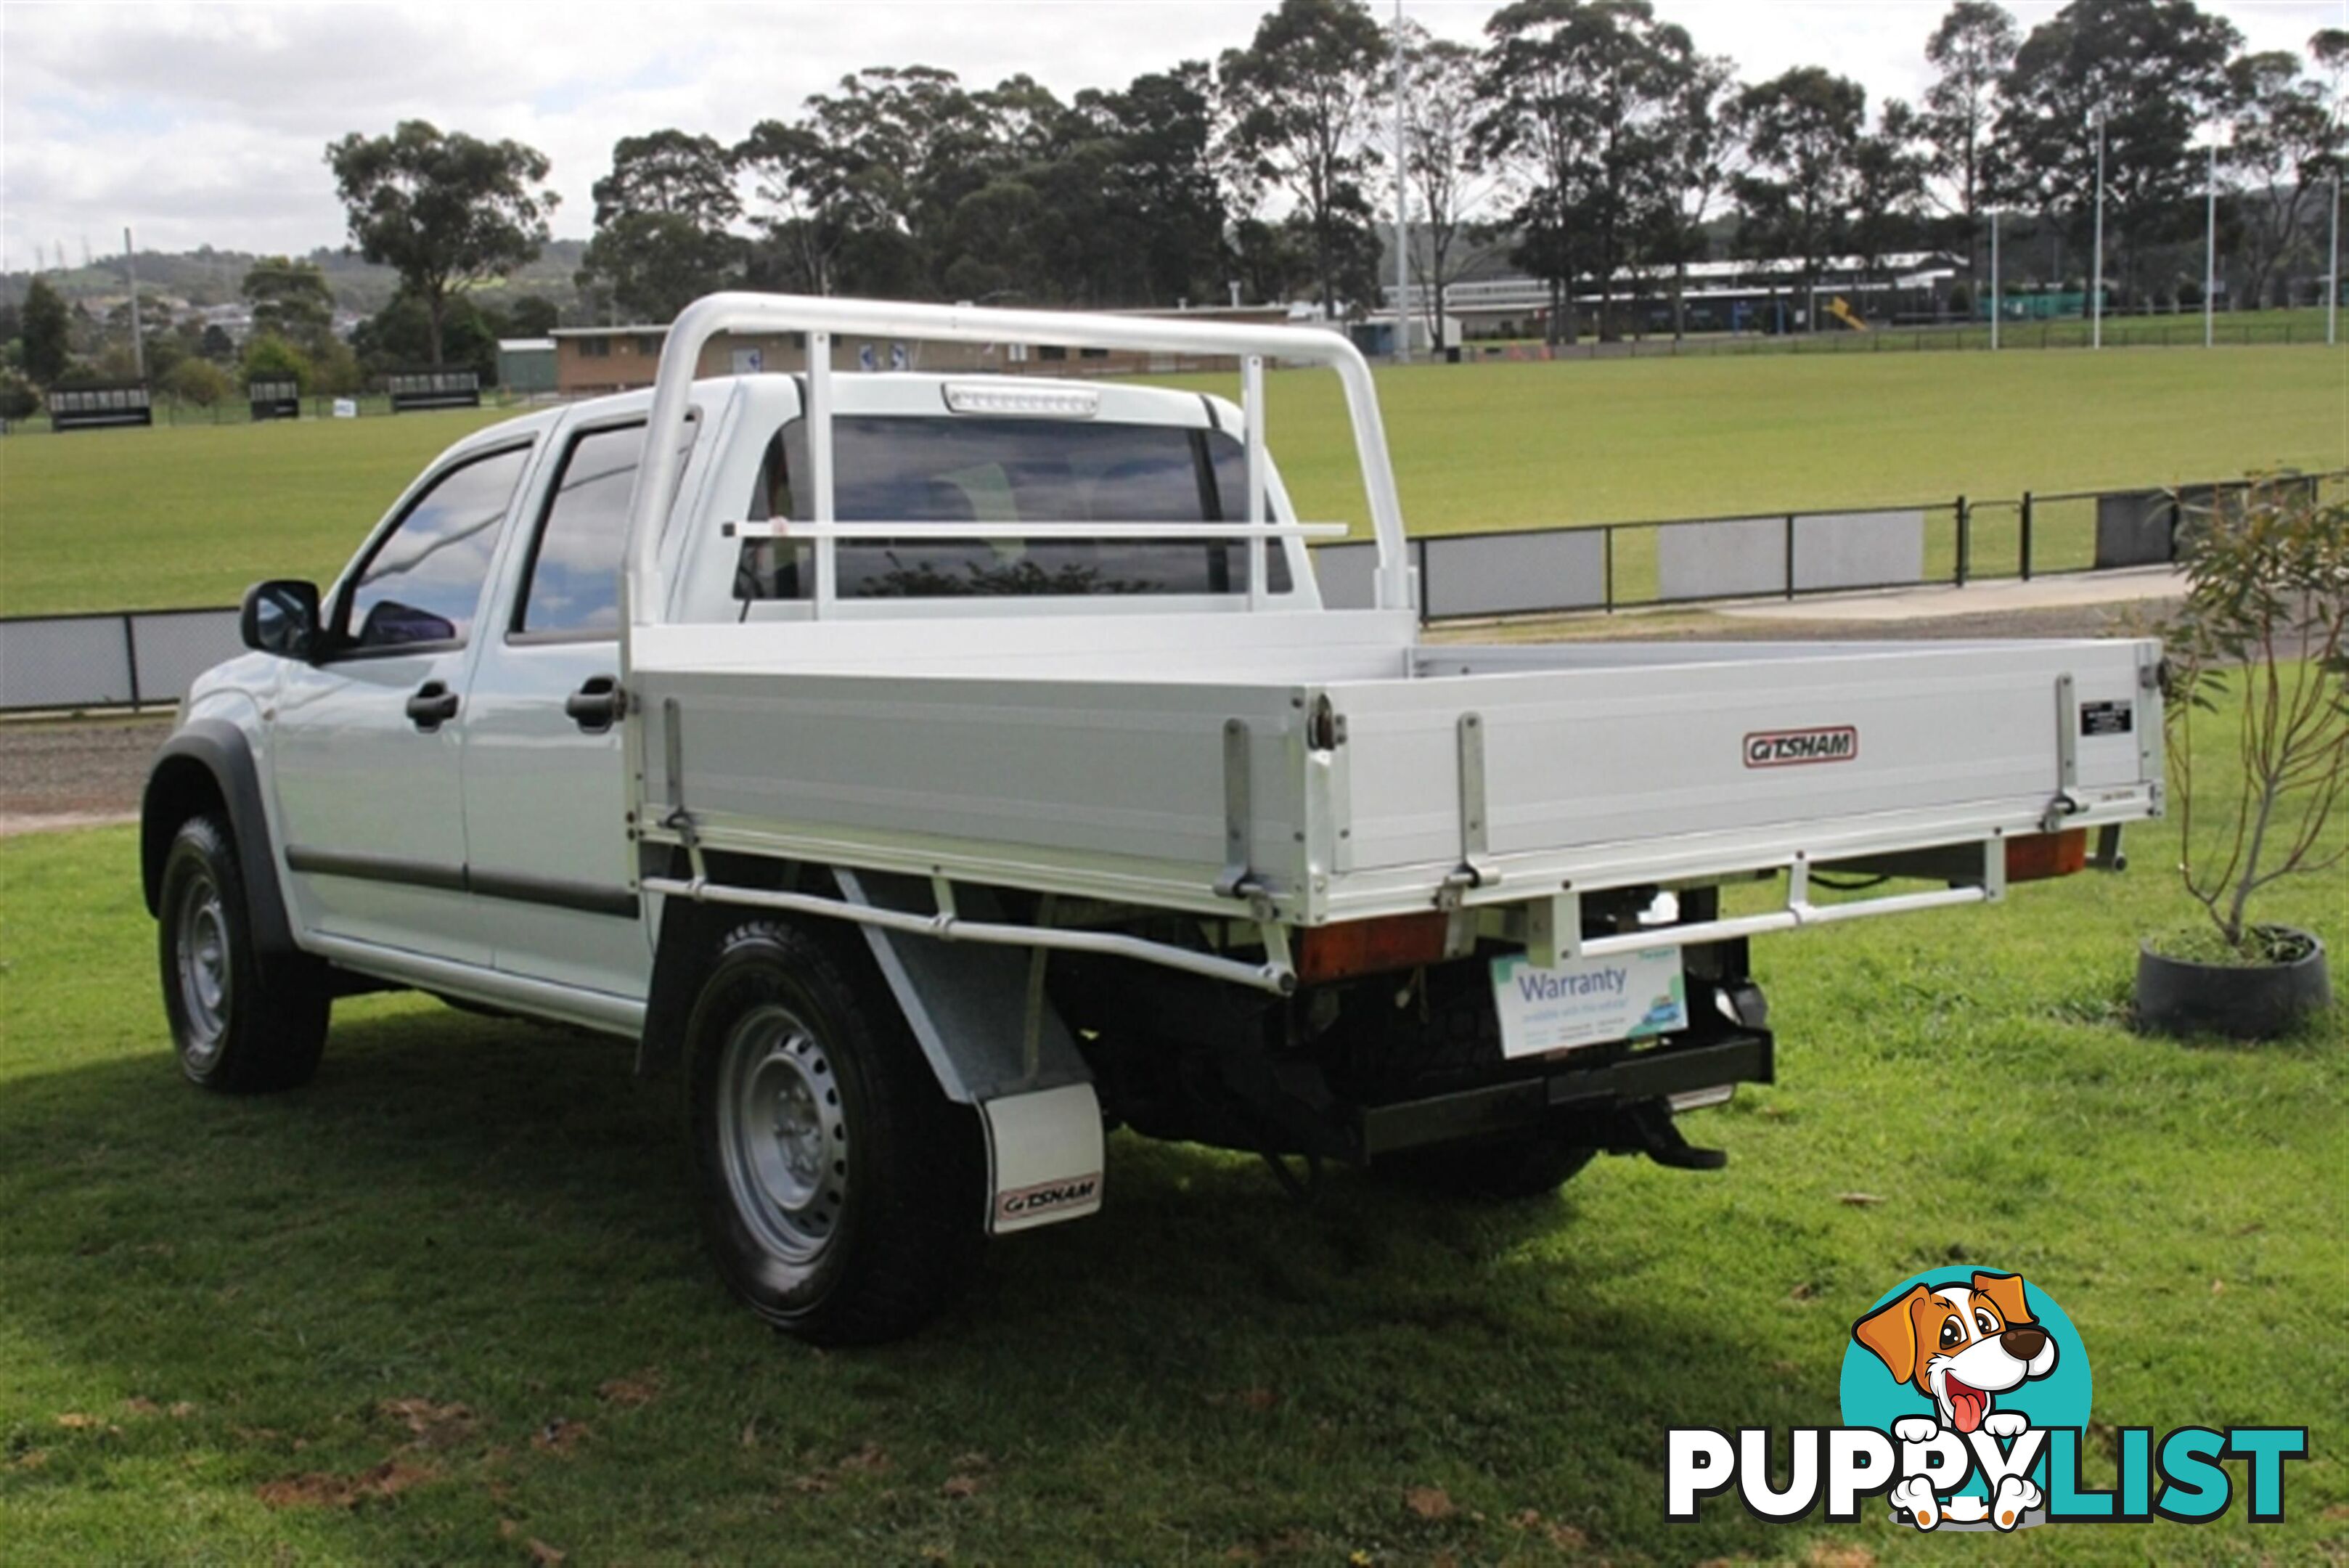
1960 1346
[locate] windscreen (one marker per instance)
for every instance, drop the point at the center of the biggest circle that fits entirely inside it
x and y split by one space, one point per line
957 469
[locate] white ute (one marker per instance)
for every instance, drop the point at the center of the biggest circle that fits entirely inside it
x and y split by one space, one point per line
930 772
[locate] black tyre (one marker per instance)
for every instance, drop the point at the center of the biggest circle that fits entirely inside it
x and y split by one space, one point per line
1499 1170
841 1192
241 1022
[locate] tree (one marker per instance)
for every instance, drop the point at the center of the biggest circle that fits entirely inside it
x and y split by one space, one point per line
290 299
2285 145
1804 130
1970 53
1272 260
661 217
18 399
47 331
399 334
1441 165
267 356
1162 193
1697 154
794 171
1889 171
863 186
2158 68
445 211
1301 96
1578 96
198 381
534 316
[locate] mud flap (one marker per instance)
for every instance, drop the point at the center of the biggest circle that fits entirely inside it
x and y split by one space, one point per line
1043 1157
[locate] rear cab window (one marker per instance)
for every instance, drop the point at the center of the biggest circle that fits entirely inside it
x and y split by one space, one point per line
1006 470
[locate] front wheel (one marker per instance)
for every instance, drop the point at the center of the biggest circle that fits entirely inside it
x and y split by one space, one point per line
841 1191
241 1022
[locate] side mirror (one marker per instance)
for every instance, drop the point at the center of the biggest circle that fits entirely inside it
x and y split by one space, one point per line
280 616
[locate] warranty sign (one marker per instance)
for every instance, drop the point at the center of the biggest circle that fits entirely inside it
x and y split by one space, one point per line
1586 1001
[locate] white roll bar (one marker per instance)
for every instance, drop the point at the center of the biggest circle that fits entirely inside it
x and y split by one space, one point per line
822 320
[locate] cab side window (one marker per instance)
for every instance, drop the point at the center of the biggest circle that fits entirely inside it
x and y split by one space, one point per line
422 583
571 585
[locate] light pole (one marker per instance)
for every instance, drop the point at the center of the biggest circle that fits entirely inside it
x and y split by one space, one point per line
138 328
1995 297
1403 209
2210 251
2332 276
2096 288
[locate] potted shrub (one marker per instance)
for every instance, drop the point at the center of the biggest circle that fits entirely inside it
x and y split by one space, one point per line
2257 651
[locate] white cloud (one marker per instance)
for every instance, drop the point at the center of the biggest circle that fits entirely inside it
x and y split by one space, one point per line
208 124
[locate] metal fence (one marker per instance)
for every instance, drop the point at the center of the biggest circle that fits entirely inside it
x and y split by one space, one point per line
121 658
2070 332
135 657
1784 554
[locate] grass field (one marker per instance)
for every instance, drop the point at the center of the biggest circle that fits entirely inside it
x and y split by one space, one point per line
152 518
444 1305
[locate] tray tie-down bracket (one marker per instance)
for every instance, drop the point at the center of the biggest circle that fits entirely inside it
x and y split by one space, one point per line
2067 802
1475 868
1239 878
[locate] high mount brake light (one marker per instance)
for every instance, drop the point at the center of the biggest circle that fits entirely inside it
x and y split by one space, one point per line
1030 402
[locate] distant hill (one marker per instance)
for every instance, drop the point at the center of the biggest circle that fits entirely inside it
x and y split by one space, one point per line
207 277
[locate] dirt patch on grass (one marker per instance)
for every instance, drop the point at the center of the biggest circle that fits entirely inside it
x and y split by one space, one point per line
75 772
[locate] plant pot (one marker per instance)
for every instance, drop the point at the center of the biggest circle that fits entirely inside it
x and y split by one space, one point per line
2241 1001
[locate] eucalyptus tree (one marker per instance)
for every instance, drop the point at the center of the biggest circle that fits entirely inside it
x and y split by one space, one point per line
663 225
1698 153
445 211
1970 52
1452 185
1805 131
2284 147
2156 71
1577 97
1302 100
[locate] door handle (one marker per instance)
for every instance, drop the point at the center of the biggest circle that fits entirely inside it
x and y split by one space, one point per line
432 706
594 705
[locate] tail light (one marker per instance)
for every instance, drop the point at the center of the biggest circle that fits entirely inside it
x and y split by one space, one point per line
1366 947
2035 857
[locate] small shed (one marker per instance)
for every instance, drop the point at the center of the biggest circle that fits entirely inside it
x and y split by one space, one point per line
526 364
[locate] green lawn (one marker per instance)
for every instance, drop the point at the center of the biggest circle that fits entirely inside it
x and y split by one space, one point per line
445 1302
185 516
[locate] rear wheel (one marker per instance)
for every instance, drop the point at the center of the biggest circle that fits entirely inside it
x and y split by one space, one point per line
241 1022
841 1191
1500 1170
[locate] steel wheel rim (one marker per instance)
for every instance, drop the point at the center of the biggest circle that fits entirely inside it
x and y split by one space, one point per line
782 1134
201 954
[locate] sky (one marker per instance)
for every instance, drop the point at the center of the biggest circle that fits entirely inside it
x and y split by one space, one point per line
207 124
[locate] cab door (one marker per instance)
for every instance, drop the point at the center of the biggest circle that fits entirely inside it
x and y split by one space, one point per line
365 744
545 780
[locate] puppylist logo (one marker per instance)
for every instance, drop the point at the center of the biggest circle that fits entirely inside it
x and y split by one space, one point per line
1965 1397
